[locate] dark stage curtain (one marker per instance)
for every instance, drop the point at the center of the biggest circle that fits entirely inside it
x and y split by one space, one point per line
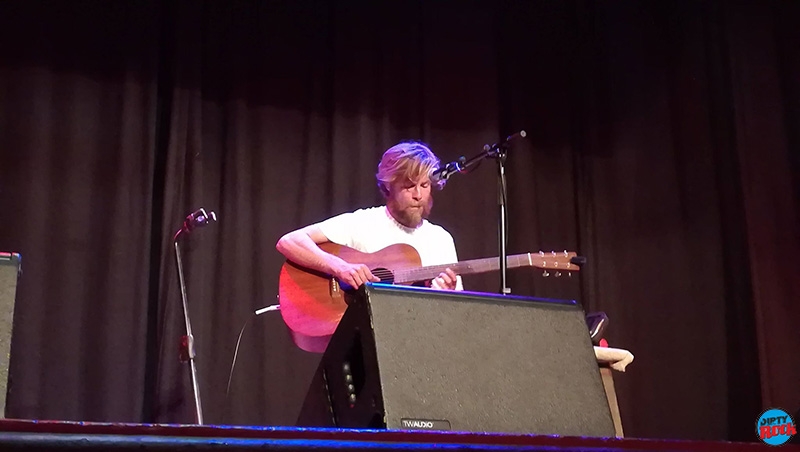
662 145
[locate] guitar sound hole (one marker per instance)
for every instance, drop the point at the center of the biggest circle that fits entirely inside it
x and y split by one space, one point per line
386 275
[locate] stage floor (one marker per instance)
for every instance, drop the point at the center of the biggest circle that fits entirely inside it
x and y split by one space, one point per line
59 435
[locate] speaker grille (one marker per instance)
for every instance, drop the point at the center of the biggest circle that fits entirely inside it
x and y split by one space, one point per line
9 272
469 362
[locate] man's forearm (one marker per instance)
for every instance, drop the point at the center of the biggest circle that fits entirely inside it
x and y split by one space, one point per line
299 248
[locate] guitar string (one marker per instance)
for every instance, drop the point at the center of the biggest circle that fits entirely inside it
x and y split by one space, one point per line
417 274
420 273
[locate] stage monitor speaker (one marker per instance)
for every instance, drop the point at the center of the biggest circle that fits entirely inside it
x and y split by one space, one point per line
414 358
9 273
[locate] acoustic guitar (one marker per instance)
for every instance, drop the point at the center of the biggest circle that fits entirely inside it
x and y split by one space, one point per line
312 303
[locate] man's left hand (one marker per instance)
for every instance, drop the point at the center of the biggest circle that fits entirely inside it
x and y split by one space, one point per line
446 280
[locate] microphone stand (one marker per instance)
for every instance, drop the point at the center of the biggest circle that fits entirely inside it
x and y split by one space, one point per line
195 219
499 152
500 156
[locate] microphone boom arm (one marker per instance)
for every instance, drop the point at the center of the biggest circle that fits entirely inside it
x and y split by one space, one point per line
461 165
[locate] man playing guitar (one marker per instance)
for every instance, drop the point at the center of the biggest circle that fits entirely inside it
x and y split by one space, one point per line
404 180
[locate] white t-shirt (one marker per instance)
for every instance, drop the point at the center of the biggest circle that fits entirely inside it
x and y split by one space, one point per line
370 230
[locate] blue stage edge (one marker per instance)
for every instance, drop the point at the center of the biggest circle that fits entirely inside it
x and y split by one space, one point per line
31 435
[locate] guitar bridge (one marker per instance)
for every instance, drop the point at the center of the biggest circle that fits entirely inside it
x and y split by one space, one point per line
334 287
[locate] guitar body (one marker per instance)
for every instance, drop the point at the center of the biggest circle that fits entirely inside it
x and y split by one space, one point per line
312 303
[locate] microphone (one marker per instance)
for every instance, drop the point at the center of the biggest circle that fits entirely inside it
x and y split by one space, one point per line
443 173
198 218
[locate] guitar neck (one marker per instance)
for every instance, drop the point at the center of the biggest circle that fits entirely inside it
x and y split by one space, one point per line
474 266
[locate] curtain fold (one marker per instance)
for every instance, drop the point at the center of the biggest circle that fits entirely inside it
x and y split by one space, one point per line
77 133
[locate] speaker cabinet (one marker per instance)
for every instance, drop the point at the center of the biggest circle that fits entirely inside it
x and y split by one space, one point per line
414 358
9 273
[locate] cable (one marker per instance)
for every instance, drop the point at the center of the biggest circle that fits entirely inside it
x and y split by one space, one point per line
275 307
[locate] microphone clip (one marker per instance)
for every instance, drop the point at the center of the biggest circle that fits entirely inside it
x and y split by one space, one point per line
443 173
196 219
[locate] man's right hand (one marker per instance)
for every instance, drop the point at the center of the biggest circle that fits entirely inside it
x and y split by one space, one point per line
301 247
354 274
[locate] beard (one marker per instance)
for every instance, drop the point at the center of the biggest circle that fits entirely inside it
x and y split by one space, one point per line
411 216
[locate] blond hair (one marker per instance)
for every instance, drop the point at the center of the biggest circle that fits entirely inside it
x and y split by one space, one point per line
407 160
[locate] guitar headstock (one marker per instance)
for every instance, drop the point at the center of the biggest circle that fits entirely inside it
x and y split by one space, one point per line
557 263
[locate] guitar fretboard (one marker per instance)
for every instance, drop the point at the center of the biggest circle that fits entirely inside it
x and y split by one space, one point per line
464 268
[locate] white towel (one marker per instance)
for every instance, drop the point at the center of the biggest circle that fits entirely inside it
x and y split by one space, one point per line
616 357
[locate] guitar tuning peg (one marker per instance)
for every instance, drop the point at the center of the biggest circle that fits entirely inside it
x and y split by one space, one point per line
553 253
545 274
558 274
566 254
569 275
541 253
